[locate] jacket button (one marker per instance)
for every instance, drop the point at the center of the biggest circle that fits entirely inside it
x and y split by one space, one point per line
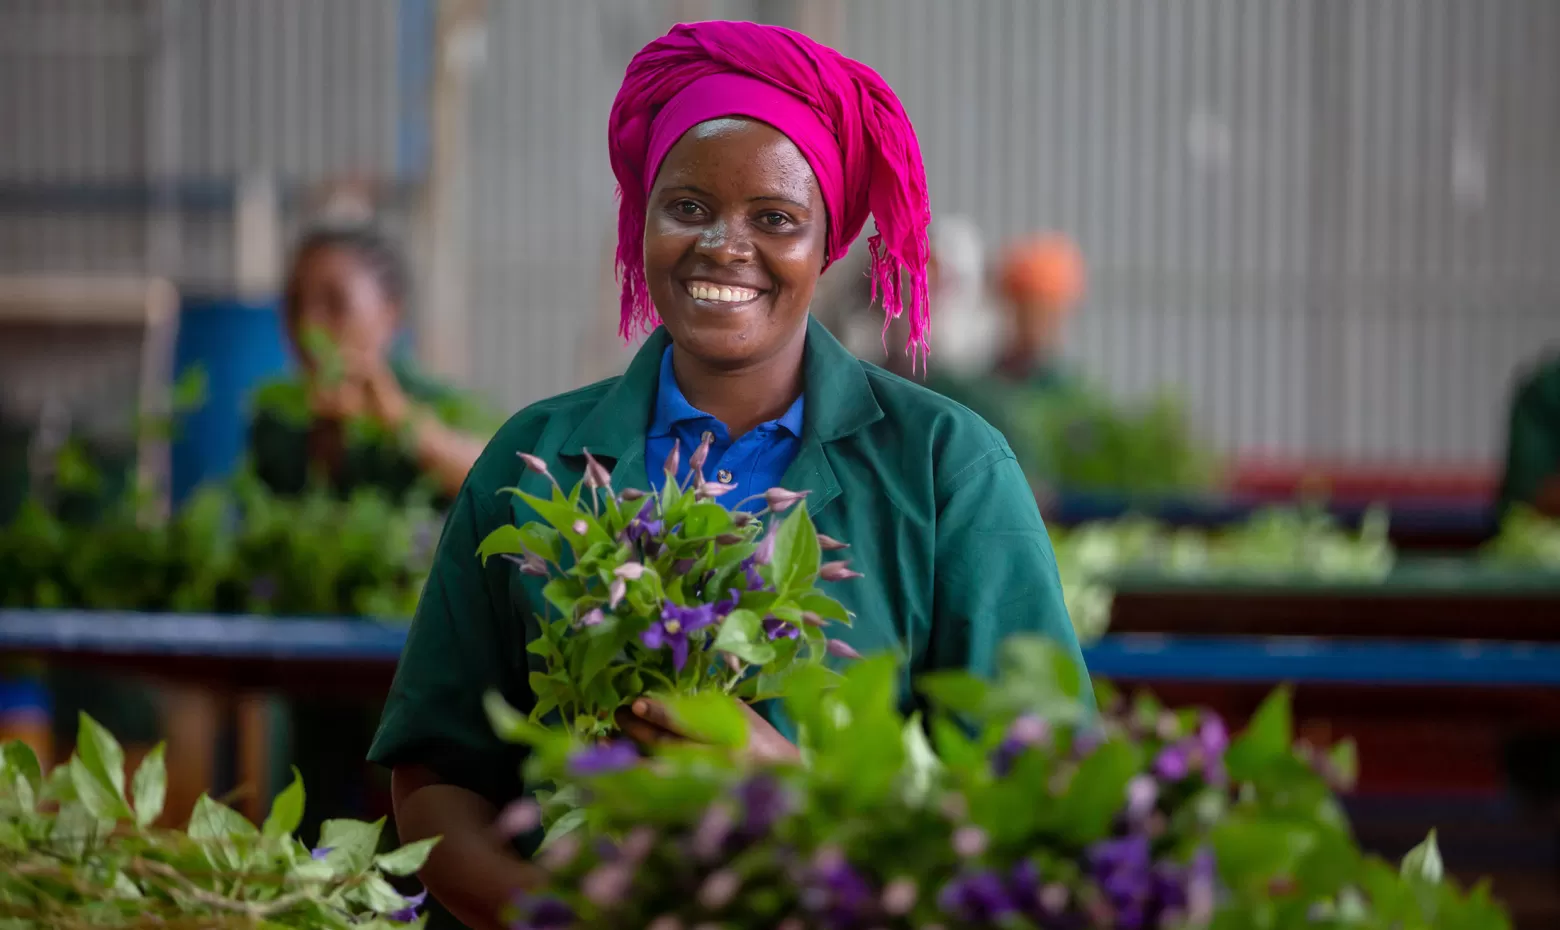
723 476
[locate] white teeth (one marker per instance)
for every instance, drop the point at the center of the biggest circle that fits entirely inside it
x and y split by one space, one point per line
729 295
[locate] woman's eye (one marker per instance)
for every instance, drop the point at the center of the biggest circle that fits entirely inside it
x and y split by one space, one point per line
775 220
687 208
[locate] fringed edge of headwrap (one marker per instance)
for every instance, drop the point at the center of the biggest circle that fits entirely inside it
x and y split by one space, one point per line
636 313
884 270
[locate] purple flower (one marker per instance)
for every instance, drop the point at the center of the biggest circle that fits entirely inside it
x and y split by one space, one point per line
1212 737
408 913
1023 734
603 759
673 628
640 528
977 898
775 628
1178 760
764 801
543 914
837 891
751 579
320 853
1142 795
1123 870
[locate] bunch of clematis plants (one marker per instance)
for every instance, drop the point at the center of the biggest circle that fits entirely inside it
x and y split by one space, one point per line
669 592
1011 807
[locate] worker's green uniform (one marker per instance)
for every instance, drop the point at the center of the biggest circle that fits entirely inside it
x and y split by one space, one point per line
1023 406
330 738
1533 441
939 516
1532 459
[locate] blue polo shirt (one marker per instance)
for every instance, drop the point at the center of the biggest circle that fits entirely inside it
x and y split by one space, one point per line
755 462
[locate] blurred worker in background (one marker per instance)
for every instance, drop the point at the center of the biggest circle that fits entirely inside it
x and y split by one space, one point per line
1041 281
346 291
360 415
1532 476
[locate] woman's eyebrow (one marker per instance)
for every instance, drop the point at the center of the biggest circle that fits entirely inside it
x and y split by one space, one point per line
780 198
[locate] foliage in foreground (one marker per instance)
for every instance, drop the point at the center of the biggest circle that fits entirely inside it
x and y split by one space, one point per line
1527 537
78 849
1022 812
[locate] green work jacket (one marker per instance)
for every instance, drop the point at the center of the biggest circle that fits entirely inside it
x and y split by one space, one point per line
939 517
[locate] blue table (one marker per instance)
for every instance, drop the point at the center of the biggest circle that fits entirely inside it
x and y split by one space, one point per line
260 652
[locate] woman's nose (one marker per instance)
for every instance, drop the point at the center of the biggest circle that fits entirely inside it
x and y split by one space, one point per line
726 241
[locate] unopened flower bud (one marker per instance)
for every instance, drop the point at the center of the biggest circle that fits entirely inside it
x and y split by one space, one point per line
580 527
665 922
605 885
534 463
631 571
557 855
733 663
1053 898
837 571
843 650
596 475
812 619
766 549
729 539
779 499
718 890
673 459
592 617
830 544
899 896
631 494
742 518
969 842
530 564
521 816
615 592
713 489
696 460
1142 795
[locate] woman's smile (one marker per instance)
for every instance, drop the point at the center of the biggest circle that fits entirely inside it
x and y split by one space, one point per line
713 295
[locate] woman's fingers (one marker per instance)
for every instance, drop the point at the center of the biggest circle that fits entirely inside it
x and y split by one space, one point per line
640 730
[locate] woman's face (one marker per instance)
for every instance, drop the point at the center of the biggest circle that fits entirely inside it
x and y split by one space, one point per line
735 238
334 291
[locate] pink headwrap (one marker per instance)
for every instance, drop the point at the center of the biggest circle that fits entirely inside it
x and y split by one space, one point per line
841 115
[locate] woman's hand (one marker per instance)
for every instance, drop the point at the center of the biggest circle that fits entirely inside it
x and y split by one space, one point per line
647 722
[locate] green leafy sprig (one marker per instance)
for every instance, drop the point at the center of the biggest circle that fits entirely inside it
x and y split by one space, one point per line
668 592
79 849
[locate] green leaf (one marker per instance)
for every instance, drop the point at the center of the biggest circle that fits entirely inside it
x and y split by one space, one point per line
352 843
19 760
742 635
959 692
563 517
797 553
213 820
379 896
1268 739
601 647
1098 791
149 787
709 717
101 753
542 540
706 520
511 725
74 830
408 858
505 540
824 606
286 811
1423 863
93 794
563 594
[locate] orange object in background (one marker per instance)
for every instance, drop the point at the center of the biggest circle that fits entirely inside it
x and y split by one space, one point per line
25 715
1046 269
1343 481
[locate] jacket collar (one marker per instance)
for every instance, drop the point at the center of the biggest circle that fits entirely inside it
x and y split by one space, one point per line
839 403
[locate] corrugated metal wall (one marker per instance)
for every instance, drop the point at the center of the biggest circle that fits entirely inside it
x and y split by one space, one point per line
1334 225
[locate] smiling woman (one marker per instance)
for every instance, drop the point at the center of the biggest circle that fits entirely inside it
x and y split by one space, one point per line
749 159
